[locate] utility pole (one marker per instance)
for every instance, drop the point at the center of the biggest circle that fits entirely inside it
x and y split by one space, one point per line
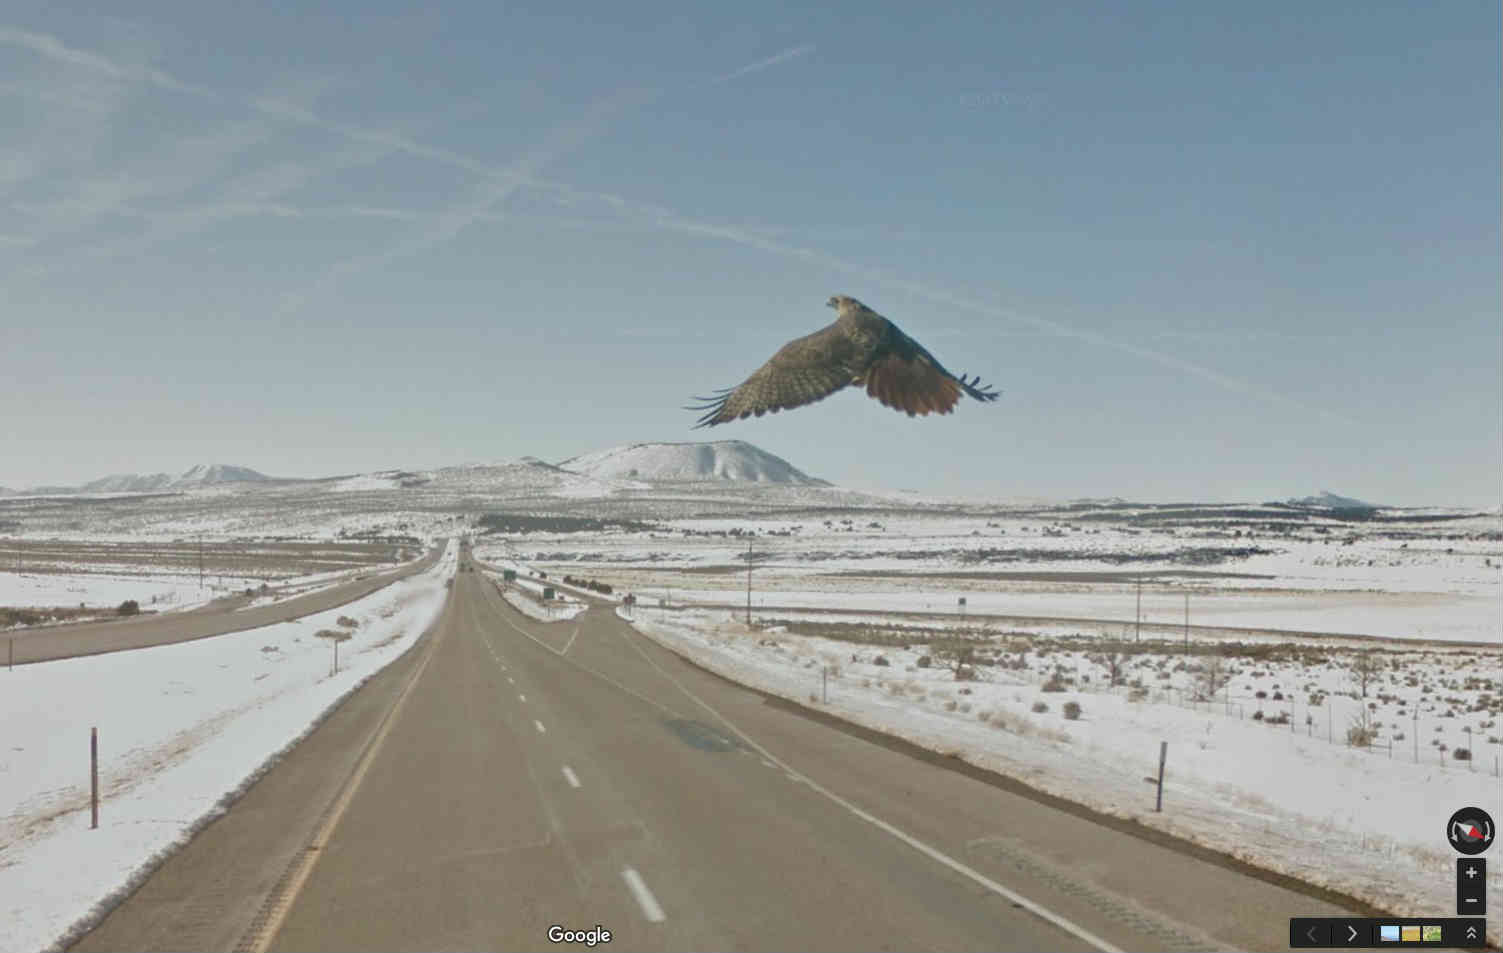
1187 623
200 562
748 581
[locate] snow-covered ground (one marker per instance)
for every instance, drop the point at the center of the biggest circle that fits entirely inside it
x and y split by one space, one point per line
1442 616
182 728
1292 797
675 522
1401 579
533 606
107 590
156 591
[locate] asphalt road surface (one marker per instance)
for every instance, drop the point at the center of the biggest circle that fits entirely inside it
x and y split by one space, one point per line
506 776
46 643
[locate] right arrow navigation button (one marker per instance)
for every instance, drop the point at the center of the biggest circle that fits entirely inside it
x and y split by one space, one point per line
1351 932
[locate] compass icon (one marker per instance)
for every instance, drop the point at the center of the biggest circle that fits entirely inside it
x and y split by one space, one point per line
1470 830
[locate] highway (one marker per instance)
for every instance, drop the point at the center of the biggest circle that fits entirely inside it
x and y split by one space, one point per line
506 776
47 643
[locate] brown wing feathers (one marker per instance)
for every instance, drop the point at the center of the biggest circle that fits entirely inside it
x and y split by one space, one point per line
803 371
916 387
895 369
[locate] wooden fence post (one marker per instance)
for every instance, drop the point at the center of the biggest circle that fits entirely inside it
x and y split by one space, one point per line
93 778
1158 805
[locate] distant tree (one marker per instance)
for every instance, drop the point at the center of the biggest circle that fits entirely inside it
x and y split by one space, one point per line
1366 667
1114 662
958 655
1212 678
129 607
1362 731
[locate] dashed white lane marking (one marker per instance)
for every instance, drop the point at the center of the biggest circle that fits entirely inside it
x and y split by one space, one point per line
571 777
938 856
570 642
523 698
585 668
645 899
541 729
510 681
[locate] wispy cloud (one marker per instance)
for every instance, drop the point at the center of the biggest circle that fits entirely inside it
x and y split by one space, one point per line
499 182
480 204
665 218
771 61
200 155
56 50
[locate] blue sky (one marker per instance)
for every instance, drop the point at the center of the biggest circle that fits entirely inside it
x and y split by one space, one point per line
1205 251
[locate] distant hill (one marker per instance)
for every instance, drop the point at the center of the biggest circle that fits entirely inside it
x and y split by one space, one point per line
722 460
204 474
1331 501
127 483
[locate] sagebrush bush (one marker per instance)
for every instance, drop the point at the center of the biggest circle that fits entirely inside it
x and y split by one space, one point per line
1072 711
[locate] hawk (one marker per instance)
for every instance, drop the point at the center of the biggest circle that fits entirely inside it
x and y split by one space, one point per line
861 348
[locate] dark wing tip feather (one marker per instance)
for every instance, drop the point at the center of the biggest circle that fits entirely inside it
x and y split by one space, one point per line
712 406
981 393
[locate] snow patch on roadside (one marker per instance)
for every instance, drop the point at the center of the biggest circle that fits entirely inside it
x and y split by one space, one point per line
555 611
1340 818
183 730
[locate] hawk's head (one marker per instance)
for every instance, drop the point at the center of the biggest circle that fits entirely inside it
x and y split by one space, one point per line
842 302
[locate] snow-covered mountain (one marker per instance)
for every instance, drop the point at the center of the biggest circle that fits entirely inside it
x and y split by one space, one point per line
127 483
204 474
723 460
1331 501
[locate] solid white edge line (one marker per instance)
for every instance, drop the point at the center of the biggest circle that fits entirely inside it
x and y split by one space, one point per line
571 777
932 853
645 899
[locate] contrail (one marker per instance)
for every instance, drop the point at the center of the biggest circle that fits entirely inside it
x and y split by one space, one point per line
770 61
54 49
499 185
524 172
667 219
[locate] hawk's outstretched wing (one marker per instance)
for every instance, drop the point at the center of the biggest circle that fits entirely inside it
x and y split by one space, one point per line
861 347
803 371
906 377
